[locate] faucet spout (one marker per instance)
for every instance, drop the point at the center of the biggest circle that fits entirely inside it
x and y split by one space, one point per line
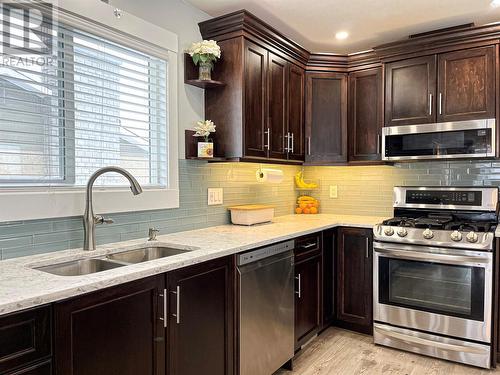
89 219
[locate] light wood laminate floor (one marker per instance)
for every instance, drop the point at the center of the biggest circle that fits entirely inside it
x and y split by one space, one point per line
340 352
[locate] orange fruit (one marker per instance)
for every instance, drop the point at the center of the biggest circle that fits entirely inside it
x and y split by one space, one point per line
303 205
309 205
298 210
314 210
306 211
316 204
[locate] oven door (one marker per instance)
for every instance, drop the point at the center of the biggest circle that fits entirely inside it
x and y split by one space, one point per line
438 290
462 139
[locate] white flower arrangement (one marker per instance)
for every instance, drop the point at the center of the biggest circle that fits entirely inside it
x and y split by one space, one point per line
206 52
204 129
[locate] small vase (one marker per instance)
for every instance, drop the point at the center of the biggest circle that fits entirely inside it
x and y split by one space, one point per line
205 149
205 71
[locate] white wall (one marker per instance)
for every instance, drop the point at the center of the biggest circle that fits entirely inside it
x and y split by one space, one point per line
182 19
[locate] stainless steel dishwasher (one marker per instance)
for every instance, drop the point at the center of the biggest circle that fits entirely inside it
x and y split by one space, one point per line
266 282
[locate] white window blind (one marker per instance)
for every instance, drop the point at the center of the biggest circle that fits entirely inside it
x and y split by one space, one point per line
95 104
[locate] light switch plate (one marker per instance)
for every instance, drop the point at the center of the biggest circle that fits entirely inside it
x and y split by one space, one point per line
215 196
333 191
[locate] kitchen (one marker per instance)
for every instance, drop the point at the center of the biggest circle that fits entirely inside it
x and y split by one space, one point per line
370 180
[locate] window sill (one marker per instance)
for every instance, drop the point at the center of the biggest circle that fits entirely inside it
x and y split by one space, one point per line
44 204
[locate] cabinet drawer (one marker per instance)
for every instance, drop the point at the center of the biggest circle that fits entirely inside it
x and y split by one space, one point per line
25 337
307 246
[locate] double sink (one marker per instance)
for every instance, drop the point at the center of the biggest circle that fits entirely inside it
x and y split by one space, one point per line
93 265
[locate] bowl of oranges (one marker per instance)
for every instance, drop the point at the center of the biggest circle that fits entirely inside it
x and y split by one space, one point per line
307 205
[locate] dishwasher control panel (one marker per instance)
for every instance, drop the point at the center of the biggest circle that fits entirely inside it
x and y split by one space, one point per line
265 252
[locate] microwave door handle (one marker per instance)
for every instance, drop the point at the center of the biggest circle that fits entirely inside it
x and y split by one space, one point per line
425 256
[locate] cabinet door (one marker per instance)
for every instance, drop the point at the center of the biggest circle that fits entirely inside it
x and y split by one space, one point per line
277 100
296 126
365 115
466 85
200 319
255 121
113 331
307 299
354 279
410 91
326 118
25 337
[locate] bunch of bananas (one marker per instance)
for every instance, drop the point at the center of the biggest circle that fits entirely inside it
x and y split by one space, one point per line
307 205
301 184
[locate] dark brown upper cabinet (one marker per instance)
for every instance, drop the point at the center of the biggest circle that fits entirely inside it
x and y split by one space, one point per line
112 331
326 118
258 116
365 115
257 129
466 84
200 323
277 110
410 91
354 279
296 130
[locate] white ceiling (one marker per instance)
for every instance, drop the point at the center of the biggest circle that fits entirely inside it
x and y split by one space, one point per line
313 23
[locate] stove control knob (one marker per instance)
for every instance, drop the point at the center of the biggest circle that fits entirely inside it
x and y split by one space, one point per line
428 234
388 231
456 236
402 232
471 237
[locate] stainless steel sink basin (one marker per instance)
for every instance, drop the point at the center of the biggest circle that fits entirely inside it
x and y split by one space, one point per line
145 254
79 267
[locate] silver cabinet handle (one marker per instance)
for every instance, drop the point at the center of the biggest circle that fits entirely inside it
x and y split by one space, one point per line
430 104
164 297
292 142
299 292
440 103
308 145
379 141
367 247
308 246
178 305
287 136
268 132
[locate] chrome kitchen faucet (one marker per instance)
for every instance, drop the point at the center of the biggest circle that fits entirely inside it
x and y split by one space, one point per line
89 219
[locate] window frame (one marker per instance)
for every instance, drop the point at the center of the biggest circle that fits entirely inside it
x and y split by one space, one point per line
41 202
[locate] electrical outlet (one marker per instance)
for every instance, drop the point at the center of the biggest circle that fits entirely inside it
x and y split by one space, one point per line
215 196
333 191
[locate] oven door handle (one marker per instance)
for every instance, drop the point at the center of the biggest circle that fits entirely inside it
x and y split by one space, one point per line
428 343
426 256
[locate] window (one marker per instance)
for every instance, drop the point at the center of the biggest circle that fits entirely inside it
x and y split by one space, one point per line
107 96
95 103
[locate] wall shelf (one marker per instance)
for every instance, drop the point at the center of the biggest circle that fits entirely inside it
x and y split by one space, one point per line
191 75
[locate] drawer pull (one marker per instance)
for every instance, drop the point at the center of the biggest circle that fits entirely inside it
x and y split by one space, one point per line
308 246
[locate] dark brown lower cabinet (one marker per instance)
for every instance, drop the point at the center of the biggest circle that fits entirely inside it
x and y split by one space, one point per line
200 323
26 338
354 279
308 288
113 331
329 244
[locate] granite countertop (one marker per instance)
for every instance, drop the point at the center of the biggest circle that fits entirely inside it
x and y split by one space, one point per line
22 287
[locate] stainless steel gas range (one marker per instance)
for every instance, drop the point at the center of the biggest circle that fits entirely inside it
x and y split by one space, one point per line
432 280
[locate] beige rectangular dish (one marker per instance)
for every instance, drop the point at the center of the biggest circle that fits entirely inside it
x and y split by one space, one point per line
250 214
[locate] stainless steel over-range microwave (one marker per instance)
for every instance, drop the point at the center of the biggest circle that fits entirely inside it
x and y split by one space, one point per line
446 140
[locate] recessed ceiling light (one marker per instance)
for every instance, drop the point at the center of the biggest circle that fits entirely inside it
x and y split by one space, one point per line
495 3
344 34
